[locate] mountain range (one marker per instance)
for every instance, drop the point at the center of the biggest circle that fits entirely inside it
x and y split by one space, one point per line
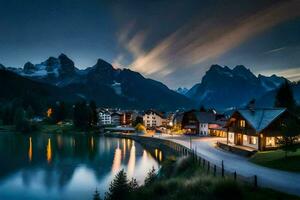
59 79
224 88
103 83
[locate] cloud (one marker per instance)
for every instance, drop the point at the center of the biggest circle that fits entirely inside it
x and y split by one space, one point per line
274 50
293 74
117 62
201 41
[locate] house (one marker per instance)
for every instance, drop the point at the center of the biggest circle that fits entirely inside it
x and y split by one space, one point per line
257 128
217 127
177 120
152 118
127 118
116 118
197 122
104 117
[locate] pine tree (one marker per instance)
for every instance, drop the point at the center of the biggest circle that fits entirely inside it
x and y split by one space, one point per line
94 114
133 185
119 188
81 115
290 128
20 121
151 176
202 109
96 195
29 112
285 97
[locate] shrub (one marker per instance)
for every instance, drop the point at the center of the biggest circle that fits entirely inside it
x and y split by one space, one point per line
228 190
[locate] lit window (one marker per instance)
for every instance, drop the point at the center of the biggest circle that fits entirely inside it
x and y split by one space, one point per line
242 123
253 140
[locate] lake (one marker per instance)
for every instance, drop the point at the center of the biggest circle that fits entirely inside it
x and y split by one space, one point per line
50 166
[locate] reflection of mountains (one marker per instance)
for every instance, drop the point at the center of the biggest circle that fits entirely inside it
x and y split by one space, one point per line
57 156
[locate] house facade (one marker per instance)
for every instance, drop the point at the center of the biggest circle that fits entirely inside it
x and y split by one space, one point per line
197 122
256 128
116 118
127 118
152 118
104 117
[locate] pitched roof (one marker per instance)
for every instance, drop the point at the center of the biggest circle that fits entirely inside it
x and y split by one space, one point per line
205 117
148 112
260 119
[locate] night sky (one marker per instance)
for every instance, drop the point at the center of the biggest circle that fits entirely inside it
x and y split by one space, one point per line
171 41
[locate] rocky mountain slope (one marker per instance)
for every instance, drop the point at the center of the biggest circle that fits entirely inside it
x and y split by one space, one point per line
104 84
224 88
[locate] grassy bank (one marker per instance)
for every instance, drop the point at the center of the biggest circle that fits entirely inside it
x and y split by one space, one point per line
6 128
42 127
183 179
276 159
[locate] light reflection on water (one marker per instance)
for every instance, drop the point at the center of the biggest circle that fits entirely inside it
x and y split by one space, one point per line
67 167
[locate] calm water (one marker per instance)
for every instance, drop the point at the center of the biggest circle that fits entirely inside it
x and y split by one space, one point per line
67 167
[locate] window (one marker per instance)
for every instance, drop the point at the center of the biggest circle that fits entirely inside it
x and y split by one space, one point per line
270 141
242 123
253 140
245 139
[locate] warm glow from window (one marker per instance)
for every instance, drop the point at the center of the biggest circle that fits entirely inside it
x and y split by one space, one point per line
242 123
49 112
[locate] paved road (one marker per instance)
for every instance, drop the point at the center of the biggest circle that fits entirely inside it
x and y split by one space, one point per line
280 180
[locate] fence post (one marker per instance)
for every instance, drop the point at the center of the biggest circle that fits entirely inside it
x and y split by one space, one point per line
203 163
215 170
208 167
222 168
255 181
234 175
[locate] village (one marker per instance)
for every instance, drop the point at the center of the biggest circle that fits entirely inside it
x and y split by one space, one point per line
248 130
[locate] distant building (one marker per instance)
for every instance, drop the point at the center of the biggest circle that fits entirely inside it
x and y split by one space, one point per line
127 118
177 120
104 117
256 128
153 118
217 127
116 118
197 122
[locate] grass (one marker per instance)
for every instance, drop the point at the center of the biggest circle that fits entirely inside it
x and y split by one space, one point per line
6 128
276 159
64 128
183 179
43 127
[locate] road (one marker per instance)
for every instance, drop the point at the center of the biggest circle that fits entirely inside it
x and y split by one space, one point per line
288 182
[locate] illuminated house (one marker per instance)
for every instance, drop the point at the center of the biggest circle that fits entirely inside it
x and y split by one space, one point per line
256 128
116 118
126 118
217 128
153 118
104 117
197 122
